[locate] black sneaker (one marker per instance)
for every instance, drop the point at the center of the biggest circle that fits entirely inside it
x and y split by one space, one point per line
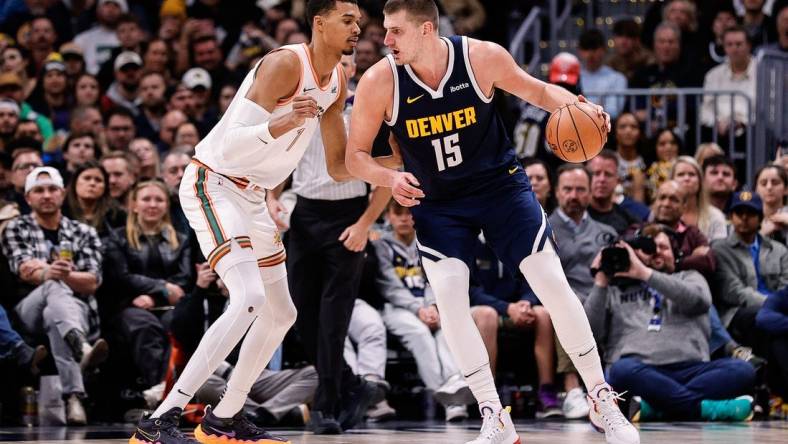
161 430
321 424
215 430
358 402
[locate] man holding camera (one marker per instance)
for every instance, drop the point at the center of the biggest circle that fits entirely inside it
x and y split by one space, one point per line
654 323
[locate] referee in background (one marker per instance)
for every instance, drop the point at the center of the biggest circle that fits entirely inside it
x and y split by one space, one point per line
327 236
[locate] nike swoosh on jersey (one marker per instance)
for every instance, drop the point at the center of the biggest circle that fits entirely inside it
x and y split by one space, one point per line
512 170
261 140
413 99
309 89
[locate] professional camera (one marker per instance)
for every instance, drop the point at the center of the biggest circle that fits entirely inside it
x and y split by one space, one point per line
616 259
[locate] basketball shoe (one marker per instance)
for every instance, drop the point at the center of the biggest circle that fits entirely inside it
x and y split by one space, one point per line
238 429
161 430
496 428
606 417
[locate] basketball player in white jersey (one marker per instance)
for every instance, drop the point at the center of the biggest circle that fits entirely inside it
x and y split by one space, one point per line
255 146
462 178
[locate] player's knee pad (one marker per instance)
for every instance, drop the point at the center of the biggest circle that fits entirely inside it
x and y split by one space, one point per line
282 310
245 293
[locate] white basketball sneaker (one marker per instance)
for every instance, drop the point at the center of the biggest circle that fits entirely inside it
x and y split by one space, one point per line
496 428
606 417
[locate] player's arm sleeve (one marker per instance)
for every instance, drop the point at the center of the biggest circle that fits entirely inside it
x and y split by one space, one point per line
246 133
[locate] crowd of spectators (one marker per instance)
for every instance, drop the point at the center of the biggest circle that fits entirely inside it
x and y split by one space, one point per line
102 103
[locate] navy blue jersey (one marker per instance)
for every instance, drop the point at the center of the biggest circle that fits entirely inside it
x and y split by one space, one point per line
451 139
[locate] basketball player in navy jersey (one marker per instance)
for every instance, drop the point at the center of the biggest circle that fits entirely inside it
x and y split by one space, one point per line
461 177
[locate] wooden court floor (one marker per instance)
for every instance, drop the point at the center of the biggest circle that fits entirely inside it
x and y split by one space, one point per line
772 432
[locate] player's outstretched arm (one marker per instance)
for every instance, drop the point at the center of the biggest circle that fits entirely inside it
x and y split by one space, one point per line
374 94
494 67
251 125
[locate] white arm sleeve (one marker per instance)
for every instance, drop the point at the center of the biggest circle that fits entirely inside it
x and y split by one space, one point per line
247 131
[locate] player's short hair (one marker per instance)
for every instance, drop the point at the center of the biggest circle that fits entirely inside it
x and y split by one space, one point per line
567 167
420 10
717 160
320 7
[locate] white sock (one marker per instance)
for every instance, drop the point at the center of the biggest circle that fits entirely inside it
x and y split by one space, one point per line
246 298
266 333
450 279
545 275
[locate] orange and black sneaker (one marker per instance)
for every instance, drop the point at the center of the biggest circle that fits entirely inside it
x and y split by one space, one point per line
238 429
161 430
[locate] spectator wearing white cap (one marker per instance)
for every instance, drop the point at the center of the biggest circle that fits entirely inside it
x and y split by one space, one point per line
124 90
9 120
199 82
58 262
98 41
130 36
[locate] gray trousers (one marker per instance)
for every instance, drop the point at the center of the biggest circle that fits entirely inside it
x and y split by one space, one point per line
433 358
368 333
277 392
53 310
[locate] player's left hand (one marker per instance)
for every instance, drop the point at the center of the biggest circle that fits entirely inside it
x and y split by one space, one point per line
354 238
600 112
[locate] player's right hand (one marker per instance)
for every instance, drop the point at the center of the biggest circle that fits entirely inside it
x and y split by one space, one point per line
404 189
304 107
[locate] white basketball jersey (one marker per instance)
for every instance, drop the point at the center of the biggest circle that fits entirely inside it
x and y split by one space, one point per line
267 165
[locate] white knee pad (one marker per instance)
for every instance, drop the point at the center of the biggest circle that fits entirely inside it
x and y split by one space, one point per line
279 303
450 279
246 288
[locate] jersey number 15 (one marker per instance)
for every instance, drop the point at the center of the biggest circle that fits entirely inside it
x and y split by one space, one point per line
447 151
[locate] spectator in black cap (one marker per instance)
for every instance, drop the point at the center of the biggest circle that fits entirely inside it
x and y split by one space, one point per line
750 267
123 91
629 55
51 96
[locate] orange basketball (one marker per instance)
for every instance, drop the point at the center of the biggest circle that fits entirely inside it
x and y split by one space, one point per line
575 134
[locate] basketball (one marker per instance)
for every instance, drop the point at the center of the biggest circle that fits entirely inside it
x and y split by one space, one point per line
575 134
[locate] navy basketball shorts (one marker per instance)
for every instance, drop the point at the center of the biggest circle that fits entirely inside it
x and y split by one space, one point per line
510 217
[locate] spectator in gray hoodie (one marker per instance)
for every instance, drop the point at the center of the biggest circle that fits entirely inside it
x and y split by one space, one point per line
655 326
411 315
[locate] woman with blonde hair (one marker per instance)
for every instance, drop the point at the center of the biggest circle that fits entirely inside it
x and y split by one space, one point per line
147 270
698 211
